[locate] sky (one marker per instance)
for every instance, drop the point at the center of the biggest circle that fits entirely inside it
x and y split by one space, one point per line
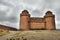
10 10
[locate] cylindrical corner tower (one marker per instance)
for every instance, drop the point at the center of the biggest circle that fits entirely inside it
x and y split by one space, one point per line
24 20
50 20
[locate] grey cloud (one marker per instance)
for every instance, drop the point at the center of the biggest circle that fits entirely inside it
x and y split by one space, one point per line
5 18
58 25
36 13
5 3
30 1
35 7
11 18
7 23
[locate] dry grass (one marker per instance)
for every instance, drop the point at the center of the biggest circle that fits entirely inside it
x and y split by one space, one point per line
38 35
3 32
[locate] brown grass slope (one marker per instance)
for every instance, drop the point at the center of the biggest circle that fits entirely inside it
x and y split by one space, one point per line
37 35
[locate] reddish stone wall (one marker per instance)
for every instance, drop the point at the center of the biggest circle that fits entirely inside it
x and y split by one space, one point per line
50 23
37 25
24 23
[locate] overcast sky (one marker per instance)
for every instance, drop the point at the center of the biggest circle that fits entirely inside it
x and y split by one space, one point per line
11 9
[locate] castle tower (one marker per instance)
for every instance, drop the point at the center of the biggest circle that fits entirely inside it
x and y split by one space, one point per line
24 20
50 20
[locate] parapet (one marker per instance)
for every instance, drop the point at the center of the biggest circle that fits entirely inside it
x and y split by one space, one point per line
37 19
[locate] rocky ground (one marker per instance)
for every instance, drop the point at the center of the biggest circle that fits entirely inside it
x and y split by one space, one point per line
32 35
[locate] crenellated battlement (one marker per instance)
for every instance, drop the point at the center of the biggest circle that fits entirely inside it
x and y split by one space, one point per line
36 19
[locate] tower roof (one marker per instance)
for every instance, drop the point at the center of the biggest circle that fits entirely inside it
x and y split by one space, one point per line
48 13
25 12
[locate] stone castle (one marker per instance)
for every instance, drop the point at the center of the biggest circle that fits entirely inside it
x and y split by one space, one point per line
33 23
27 22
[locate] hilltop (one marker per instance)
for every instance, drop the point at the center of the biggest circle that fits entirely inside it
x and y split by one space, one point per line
36 35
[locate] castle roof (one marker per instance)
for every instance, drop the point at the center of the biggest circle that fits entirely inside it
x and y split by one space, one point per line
37 19
49 13
25 12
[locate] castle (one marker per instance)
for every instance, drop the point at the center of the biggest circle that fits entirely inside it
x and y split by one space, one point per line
27 22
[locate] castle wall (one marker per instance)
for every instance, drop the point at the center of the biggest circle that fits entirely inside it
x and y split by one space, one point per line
4 28
50 24
24 23
37 25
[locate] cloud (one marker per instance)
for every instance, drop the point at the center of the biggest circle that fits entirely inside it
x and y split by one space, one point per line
7 23
58 25
11 9
36 12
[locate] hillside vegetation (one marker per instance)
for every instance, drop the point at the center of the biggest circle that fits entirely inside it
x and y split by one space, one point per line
37 35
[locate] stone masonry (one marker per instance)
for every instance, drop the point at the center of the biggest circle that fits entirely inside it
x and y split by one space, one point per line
27 22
